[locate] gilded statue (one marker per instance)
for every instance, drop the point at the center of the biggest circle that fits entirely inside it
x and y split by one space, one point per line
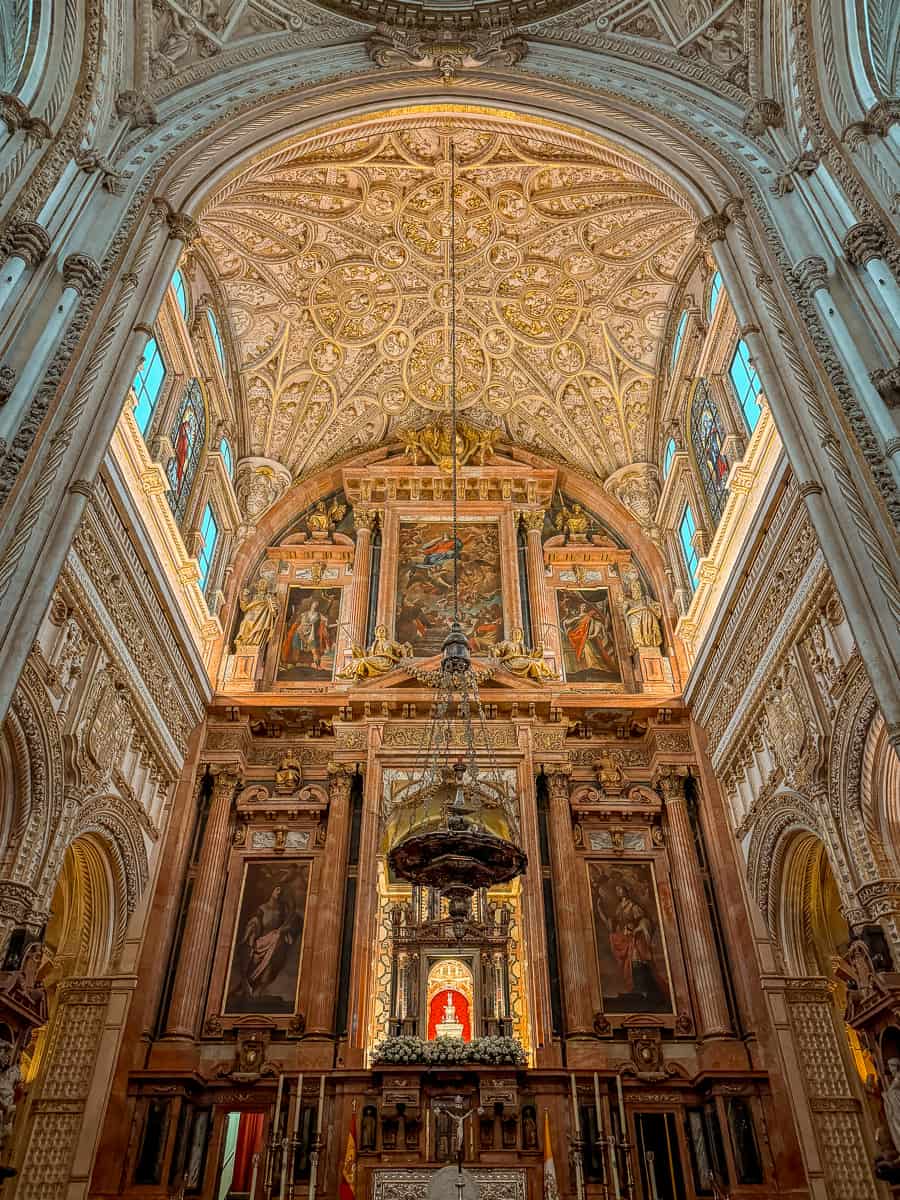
519 660
574 522
642 616
288 775
321 521
436 444
259 609
9 1081
382 656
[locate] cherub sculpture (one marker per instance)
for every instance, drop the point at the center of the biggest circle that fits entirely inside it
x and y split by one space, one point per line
574 522
382 656
519 660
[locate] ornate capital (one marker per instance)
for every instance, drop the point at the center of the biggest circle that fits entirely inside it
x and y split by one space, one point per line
712 228
365 517
182 227
669 782
340 780
81 272
882 116
887 384
29 241
558 780
226 778
7 381
812 274
532 519
18 116
862 243
762 115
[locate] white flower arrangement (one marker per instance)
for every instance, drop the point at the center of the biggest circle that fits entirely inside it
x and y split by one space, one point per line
449 1051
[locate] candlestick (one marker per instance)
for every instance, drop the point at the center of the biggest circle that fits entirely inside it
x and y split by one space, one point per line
278 1102
576 1140
321 1104
601 1136
253 1176
299 1104
621 1108
613 1154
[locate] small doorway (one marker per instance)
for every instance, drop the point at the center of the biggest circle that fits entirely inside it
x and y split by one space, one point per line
240 1167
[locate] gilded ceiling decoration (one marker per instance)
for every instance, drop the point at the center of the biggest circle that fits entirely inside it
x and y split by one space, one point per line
333 256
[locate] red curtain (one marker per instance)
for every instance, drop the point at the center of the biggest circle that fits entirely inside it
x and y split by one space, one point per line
436 1012
249 1142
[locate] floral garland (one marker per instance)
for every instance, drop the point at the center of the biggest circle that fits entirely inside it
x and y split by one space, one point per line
449 1051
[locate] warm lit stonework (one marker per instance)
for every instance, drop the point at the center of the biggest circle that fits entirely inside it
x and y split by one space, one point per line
283 914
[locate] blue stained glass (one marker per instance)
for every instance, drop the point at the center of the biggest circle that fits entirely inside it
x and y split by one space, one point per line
147 384
679 337
707 436
216 337
180 291
746 384
188 436
209 532
225 451
714 289
668 456
686 531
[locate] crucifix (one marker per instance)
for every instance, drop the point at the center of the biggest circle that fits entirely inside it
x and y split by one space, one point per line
459 1116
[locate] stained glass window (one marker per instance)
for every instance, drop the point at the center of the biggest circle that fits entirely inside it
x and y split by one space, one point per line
188 436
216 337
225 451
679 337
178 287
668 455
209 532
686 531
147 384
714 289
745 382
707 436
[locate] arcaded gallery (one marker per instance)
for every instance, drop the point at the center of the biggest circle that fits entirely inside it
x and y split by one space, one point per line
449 600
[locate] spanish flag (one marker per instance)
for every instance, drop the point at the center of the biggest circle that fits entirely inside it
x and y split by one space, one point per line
347 1189
551 1190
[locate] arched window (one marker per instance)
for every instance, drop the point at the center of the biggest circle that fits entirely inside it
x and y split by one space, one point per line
188 436
668 455
679 338
227 458
686 530
147 384
216 337
707 436
745 382
714 289
178 287
209 532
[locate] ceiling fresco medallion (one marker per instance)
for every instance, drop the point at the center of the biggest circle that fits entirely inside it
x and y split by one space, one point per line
333 256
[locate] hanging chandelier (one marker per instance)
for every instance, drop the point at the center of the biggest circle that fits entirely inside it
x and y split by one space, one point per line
457 828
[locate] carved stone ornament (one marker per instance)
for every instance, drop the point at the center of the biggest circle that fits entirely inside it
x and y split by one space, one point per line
140 110
445 50
887 384
7 382
863 243
803 165
81 272
29 241
602 1026
636 487
258 483
288 775
763 114
17 115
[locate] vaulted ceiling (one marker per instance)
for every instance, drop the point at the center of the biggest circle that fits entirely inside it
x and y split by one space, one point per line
333 256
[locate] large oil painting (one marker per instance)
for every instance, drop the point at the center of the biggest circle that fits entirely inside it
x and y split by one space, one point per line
268 938
586 633
310 634
425 584
634 975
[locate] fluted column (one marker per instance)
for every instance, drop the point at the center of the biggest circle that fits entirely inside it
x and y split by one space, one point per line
331 868
543 616
699 944
365 519
581 991
197 944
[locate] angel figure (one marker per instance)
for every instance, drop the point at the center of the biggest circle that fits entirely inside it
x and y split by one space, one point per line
382 656
321 520
574 522
518 660
259 609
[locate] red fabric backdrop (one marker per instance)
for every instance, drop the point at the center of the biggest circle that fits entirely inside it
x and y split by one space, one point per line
249 1142
436 1012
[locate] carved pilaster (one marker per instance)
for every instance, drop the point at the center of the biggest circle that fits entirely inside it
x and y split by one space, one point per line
699 942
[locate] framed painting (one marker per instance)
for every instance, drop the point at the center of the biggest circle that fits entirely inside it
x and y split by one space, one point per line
424 603
586 634
268 938
634 969
310 634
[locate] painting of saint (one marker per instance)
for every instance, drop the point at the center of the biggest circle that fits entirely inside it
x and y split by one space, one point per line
425 585
588 643
310 633
188 434
634 976
268 937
